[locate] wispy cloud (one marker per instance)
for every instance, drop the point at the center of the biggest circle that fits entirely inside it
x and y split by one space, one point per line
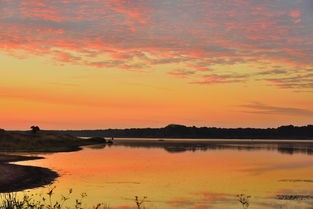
181 73
272 72
303 80
212 79
260 108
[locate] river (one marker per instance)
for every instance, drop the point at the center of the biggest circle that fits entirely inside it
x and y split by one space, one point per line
187 175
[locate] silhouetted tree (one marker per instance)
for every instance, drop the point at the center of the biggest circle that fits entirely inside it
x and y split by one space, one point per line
35 129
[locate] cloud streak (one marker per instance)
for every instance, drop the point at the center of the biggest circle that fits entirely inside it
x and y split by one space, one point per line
260 108
211 79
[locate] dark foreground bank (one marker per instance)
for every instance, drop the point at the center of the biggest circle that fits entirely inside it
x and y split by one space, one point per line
15 177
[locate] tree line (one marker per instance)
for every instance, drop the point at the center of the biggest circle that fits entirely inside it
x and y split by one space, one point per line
181 131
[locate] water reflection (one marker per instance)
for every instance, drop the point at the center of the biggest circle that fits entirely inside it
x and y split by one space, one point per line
201 174
177 146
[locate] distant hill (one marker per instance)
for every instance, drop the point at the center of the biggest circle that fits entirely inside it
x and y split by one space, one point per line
181 131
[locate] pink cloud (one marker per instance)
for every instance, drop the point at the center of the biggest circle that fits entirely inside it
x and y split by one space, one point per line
181 73
295 14
135 35
212 79
133 10
40 9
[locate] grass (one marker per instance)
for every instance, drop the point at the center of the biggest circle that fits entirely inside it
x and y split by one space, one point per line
41 201
41 142
244 200
48 201
140 202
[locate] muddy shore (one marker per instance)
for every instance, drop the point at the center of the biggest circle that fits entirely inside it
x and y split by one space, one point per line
16 177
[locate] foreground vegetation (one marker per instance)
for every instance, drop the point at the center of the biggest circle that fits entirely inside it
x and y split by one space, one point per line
48 201
45 201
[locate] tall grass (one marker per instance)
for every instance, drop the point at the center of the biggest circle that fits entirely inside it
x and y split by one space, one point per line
244 200
48 200
40 201
140 202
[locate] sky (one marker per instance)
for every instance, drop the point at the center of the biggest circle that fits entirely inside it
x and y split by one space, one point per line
92 64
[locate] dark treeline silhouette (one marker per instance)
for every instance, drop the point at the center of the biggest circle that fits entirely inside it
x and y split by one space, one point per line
181 131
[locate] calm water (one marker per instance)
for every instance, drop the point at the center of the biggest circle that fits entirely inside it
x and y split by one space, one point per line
175 174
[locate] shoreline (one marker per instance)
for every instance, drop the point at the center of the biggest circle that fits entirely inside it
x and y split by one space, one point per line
212 140
16 178
13 146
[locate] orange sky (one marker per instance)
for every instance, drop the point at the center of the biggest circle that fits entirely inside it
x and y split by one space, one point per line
117 64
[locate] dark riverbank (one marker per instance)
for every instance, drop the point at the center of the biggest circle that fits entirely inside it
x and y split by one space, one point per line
43 142
16 178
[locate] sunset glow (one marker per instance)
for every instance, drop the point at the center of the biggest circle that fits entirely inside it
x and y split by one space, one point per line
147 63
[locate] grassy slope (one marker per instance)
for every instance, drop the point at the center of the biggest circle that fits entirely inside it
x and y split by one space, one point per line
20 142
